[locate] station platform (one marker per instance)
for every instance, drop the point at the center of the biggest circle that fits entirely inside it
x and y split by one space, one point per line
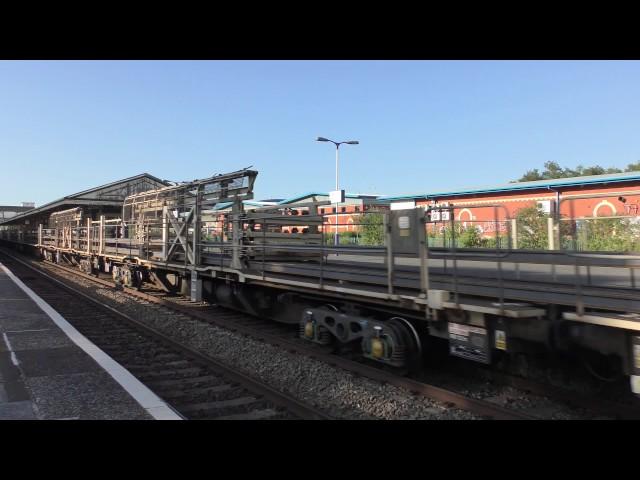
49 371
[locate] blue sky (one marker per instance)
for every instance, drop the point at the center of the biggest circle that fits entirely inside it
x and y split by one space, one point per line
423 125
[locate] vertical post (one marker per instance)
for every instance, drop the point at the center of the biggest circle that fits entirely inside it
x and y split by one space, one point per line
102 226
224 221
514 233
196 229
455 258
196 287
236 237
88 234
389 242
337 235
185 246
500 278
40 234
165 233
582 232
322 239
264 243
423 253
551 233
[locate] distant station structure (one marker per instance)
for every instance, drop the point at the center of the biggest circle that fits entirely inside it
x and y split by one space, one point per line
102 200
10 211
349 211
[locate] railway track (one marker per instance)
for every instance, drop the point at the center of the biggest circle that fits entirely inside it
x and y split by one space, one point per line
194 385
286 338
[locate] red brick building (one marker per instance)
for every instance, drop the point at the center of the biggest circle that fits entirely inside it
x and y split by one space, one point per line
586 197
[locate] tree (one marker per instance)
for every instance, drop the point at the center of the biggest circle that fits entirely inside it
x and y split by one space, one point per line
554 170
530 176
633 167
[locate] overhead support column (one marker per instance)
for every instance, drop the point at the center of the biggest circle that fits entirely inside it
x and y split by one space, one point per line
40 234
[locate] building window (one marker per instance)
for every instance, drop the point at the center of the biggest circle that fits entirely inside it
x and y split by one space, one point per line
343 209
321 211
357 209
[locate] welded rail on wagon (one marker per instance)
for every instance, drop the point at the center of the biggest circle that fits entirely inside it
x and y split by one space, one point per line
610 283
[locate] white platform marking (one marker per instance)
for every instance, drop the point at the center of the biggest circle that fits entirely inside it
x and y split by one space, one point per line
154 405
14 359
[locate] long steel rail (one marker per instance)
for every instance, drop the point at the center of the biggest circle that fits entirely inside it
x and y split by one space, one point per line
291 404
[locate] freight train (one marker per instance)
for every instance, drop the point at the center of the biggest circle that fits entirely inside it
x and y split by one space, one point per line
391 302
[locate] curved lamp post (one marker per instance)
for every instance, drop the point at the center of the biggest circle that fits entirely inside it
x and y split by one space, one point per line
337 144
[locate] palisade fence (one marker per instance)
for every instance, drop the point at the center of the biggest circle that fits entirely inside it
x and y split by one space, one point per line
533 229
469 234
597 234
620 234
613 227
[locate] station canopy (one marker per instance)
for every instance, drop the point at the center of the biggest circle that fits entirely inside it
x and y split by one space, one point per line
105 197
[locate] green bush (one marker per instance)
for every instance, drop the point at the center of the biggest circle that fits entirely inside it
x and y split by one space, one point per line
470 237
346 238
532 225
372 229
465 237
606 235
501 241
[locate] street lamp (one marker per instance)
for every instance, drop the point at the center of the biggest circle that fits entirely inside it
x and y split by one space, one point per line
337 144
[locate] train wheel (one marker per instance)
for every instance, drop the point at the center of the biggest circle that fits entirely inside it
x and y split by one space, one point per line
329 306
409 342
605 368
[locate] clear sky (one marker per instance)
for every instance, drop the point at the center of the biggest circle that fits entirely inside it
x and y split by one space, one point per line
423 125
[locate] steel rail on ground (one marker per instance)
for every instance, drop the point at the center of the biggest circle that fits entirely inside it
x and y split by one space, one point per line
278 398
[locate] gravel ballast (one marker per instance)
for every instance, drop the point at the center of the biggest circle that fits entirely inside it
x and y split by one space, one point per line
333 390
